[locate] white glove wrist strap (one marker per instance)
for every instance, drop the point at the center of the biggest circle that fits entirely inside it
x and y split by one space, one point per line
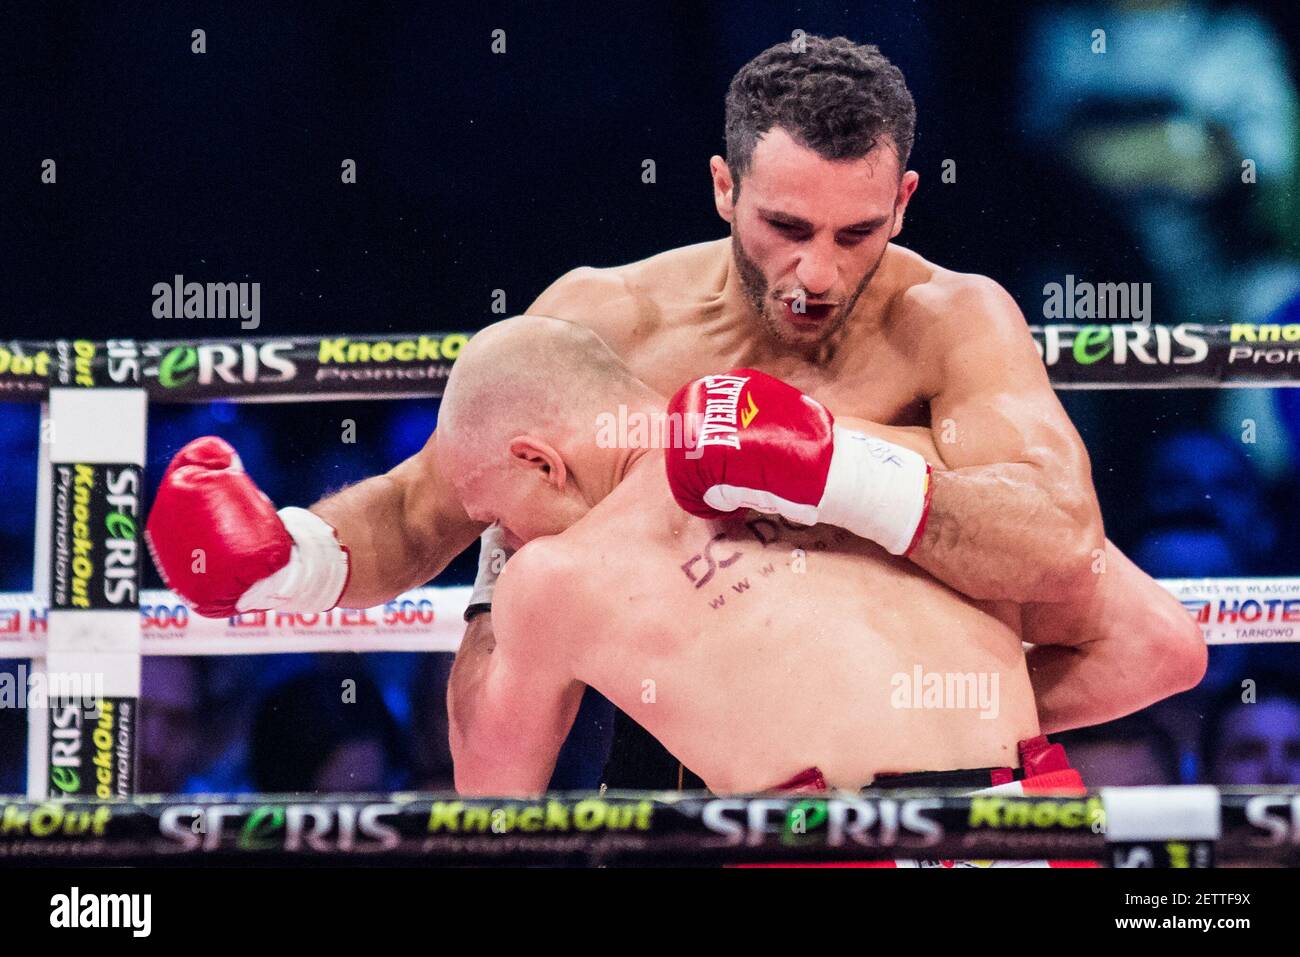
492 555
875 489
316 573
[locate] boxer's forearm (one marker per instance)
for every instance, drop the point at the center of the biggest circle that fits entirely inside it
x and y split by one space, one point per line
1006 532
1011 532
401 529
463 688
384 559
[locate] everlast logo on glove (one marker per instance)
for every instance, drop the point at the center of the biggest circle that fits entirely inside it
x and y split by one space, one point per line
722 416
796 463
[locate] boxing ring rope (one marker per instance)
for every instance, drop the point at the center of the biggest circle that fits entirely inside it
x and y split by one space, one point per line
423 619
1189 826
93 399
1231 611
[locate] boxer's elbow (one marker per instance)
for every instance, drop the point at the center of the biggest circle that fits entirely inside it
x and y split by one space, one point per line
1176 649
480 770
473 777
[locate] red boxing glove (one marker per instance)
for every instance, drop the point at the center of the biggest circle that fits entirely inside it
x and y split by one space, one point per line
781 463
219 543
762 444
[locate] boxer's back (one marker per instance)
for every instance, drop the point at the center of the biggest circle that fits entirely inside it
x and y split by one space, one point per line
753 649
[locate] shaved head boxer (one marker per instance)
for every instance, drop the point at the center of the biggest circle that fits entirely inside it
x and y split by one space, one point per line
753 648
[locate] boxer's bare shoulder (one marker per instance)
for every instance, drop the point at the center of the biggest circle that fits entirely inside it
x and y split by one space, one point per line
629 305
538 596
929 298
610 551
935 312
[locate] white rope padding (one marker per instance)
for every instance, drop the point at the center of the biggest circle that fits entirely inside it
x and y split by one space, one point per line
1231 611
425 619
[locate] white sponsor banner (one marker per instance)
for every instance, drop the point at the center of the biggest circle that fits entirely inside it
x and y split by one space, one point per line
1237 611
424 619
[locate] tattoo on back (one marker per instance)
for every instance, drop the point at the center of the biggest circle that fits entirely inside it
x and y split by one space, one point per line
720 552
701 577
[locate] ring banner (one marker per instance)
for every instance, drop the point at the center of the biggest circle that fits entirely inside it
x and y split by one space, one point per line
92 666
1229 611
1104 356
1189 355
1235 611
263 368
423 619
617 827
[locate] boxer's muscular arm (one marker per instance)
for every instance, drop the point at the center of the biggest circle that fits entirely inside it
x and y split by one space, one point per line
511 699
1108 639
918 438
1015 516
401 529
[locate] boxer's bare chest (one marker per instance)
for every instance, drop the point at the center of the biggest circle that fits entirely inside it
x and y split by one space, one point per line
868 379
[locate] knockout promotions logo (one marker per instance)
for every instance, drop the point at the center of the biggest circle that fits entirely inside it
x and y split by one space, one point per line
53 819
1006 813
23 372
583 817
1250 343
358 360
96 554
107 764
95 565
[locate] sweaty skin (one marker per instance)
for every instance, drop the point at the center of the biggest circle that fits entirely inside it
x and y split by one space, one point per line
903 342
751 648
949 353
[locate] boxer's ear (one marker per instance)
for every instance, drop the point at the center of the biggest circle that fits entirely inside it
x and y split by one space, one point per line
541 457
724 194
906 187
